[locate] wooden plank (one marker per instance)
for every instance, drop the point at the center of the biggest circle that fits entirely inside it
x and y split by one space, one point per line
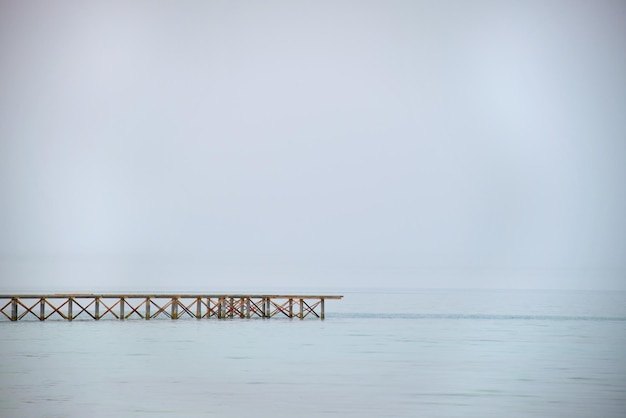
165 296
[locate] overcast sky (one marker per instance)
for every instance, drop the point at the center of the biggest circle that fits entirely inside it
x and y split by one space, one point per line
312 144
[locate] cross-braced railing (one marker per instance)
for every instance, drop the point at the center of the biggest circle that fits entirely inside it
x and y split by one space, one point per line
143 306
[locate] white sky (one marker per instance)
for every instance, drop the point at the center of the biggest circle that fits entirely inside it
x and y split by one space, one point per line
312 144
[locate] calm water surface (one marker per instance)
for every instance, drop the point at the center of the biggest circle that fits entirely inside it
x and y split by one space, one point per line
430 353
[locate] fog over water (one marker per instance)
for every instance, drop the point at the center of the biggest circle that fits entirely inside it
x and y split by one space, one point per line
324 145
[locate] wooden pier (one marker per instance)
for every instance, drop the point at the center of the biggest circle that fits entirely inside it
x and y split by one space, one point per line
70 306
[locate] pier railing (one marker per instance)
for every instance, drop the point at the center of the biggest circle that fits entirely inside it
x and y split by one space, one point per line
151 306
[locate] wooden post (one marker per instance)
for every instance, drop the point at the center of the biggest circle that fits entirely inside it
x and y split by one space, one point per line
69 309
175 308
232 308
208 307
97 308
13 309
322 308
42 309
198 308
122 303
248 308
301 308
290 308
148 308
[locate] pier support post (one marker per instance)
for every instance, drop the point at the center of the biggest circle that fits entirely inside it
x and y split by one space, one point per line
147 308
232 307
122 303
198 308
301 309
69 309
97 309
42 309
248 308
175 308
322 308
13 309
290 308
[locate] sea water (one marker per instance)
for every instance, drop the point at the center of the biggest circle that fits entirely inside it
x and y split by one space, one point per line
379 353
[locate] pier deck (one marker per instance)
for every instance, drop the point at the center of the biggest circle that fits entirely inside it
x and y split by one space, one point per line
70 306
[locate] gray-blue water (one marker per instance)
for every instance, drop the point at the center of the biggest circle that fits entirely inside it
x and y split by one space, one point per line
431 353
